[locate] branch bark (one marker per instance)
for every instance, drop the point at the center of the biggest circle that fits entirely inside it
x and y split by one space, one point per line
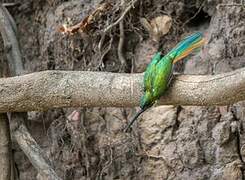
55 89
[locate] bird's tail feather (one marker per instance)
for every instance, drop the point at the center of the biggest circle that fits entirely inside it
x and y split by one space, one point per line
134 119
188 45
189 50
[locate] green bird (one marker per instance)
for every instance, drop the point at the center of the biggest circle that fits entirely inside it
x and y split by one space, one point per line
158 74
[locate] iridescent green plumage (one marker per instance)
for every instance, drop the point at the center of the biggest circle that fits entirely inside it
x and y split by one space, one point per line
158 74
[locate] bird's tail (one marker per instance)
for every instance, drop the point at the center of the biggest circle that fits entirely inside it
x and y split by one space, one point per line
187 46
134 119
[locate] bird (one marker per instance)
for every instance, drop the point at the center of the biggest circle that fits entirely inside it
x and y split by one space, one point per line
159 71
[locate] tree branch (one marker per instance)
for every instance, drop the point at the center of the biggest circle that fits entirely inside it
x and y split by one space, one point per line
55 89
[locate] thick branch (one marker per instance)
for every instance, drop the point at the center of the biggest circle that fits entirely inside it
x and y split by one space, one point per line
53 89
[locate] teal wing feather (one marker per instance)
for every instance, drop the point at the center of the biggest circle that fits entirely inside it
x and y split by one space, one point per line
162 77
150 72
149 75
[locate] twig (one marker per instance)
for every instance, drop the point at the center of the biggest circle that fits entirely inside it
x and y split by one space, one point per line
121 43
121 17
102 39
198 11
105 50
107 165
9 4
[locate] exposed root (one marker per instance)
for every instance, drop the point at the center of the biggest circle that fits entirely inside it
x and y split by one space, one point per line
104 51
121 17
238 144
85 24
121 43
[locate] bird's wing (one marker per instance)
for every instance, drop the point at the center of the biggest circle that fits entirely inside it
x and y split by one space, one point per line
164 70
150 72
